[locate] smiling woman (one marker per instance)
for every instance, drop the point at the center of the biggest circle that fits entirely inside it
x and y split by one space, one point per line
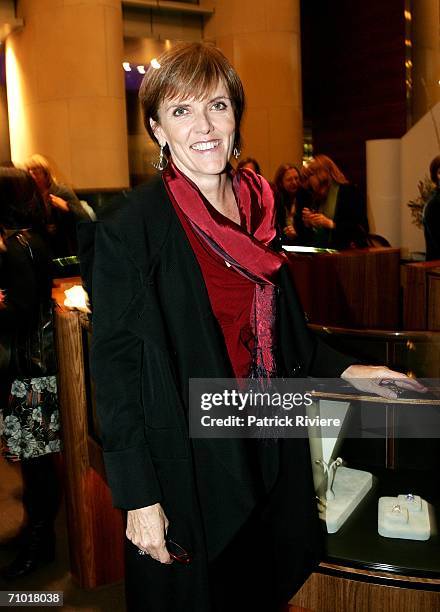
186 285
199 134
193 107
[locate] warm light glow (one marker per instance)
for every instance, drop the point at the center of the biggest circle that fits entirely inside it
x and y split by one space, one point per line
126 66
408 15
77 298
408 43
154 63
19 131
141 69
408 63
167 44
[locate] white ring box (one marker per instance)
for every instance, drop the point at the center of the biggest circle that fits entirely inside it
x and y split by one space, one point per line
405 517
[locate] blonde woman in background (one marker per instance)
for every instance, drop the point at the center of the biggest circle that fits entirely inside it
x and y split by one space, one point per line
62 207
331 211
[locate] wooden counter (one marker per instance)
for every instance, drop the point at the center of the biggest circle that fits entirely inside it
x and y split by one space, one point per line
336 588
357 288
421 295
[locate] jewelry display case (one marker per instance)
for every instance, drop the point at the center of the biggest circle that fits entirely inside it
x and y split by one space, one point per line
364 570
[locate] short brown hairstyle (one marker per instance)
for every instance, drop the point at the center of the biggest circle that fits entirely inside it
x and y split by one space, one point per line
190 70
433 170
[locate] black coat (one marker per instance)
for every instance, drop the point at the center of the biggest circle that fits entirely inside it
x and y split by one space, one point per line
153 330
351 221
431 226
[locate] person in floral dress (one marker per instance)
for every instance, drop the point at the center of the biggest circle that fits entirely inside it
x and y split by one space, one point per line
29 415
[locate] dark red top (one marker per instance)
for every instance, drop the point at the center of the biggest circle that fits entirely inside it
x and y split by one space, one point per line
231 296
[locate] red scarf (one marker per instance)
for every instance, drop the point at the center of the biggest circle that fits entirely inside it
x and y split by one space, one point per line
244 247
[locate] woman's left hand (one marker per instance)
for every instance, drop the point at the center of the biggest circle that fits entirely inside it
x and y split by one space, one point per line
380 380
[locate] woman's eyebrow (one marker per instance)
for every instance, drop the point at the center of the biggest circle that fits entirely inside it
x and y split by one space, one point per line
218 98
177 105
186 103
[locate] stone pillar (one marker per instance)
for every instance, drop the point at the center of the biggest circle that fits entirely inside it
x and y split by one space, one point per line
66 96
262 40
426 56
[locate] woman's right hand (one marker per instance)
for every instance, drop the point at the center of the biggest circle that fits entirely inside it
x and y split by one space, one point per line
306 217
146 528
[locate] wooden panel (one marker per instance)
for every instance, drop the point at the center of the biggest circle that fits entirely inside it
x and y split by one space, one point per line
358 288
95 528
415 294
322 593
353 60
74 420
434 300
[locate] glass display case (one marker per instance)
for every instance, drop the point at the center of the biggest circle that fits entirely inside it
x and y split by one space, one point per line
387 573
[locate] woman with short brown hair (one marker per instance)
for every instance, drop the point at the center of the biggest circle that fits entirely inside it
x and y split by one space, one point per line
186 286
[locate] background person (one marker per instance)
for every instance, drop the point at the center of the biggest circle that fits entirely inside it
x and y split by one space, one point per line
431 214
184 286
29 426
62 207
287 182
331 212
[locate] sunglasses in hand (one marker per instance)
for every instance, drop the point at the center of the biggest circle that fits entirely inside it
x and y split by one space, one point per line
176 552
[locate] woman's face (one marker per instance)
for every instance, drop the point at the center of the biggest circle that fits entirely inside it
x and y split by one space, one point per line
40 177
291 180
200 133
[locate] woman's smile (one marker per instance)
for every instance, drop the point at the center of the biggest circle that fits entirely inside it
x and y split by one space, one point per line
206 145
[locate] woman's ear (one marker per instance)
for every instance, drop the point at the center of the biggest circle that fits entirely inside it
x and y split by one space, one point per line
158 132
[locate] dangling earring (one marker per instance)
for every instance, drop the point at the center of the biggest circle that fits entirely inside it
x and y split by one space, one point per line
236 152
163 161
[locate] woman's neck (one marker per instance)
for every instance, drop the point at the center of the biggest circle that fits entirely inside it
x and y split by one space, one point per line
217 189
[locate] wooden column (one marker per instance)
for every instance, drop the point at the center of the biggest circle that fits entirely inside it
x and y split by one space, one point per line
65 86
95 528
262 39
